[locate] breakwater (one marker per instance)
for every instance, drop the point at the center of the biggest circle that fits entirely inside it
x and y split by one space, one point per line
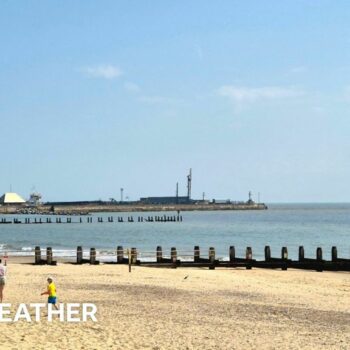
157 258
93 207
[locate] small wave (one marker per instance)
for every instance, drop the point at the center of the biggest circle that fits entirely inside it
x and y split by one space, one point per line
27 249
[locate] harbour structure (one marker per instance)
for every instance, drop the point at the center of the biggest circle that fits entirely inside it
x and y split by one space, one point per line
172 199
152 203
35 198
165 200
11 198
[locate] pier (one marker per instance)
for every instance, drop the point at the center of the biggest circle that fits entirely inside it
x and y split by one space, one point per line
90 219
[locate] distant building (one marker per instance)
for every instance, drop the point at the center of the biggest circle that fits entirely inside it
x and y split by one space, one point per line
166 200
35 198
11 198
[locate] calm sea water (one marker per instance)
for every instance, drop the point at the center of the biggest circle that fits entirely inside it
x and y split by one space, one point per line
291 225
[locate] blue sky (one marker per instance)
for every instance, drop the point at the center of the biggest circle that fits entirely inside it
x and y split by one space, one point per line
253 95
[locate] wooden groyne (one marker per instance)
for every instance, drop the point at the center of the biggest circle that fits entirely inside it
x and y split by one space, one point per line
91 219
157 258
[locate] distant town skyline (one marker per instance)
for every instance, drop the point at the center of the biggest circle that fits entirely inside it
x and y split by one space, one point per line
253 96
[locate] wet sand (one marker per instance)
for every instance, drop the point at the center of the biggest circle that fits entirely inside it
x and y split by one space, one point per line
154 308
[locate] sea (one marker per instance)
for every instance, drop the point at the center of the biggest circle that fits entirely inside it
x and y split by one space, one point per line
282 225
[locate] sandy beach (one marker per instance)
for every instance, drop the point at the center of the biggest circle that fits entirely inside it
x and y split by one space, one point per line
153 308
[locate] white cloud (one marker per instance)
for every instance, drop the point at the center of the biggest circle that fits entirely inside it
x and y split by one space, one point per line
131 87
239 94
103 71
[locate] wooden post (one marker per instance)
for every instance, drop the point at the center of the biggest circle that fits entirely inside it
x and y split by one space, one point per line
159 254
49 256
232 253
129 258
92 256
196 253
319 259
249 257
267 253
37 255
173 255
212 258
301 253
334 254
284 253
284 256
120 254
133 256
79 255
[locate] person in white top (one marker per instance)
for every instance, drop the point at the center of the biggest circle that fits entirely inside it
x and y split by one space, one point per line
2 280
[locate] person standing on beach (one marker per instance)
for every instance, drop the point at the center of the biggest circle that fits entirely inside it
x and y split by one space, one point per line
2 280
51 292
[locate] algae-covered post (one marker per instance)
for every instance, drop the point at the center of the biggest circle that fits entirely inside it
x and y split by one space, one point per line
319 259
92 256
49 256
159 254
79 255
173 255
301 253
232 253
334 254
284 257
37 253
249 257
133 256
267 253
196 253
212 258
120 254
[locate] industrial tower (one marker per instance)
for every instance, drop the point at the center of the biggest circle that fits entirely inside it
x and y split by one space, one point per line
189 184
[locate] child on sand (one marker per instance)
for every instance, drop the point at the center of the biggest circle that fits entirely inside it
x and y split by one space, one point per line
51 292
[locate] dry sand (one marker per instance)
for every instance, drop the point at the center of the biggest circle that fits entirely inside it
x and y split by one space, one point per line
152 308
